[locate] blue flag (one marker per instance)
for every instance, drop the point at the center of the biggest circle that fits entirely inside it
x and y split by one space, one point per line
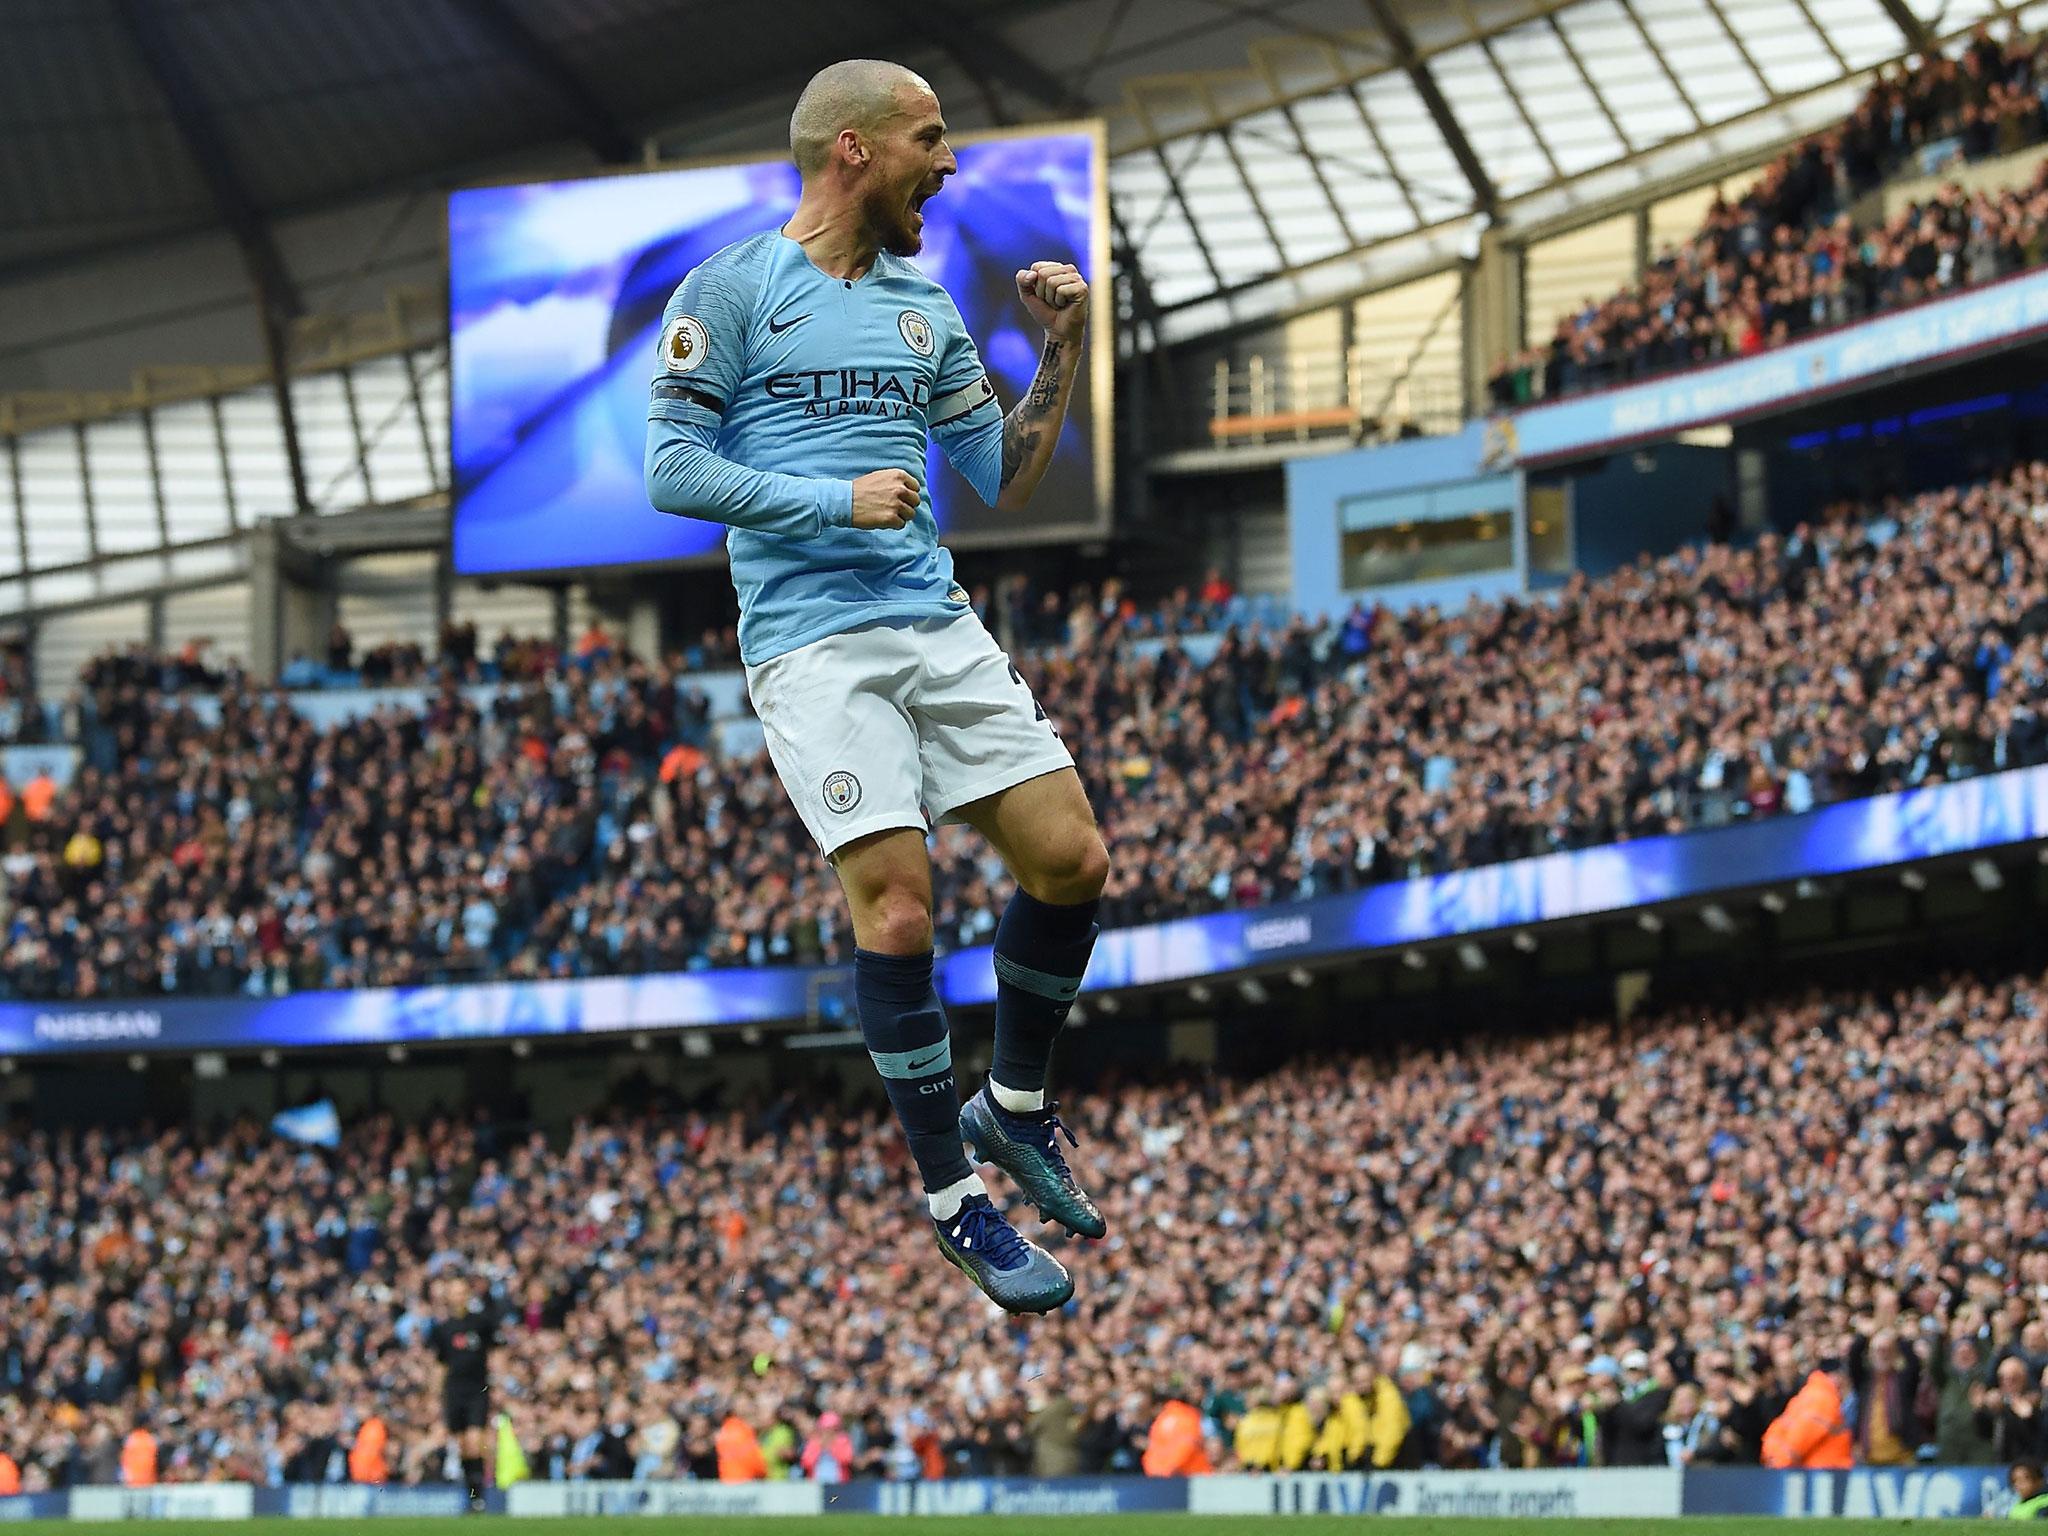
317 1125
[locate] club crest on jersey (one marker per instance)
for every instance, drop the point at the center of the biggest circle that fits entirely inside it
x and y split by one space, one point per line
684 344
842 791
917 331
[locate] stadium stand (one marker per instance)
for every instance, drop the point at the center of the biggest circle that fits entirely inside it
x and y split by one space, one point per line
580 824
1554 1250
1603 1191
1788 257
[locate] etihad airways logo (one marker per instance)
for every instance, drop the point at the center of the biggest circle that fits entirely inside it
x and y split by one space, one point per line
851 391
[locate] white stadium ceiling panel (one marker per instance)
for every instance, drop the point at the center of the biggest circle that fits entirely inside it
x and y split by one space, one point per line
1319 143
1420 115
1950 14
1505 133
1542 73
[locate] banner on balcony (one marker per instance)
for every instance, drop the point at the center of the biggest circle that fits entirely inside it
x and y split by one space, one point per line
1997 315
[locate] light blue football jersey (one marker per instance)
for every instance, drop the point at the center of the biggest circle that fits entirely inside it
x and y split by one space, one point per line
777 386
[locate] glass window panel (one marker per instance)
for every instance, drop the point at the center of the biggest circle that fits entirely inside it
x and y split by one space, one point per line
1783 45
1550 530
123 497
398 466
195 494
1495 493
1139 188
1399 553
1356 513
327 442
54 498
1230 223
256 457
1418 148
1573 125
1949 15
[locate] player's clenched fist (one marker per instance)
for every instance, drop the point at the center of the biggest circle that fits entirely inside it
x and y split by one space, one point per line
1056 294
885 499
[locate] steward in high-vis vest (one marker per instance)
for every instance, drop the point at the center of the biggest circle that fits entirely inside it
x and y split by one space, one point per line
138 1458
2029 1492
1811 1433
366 1462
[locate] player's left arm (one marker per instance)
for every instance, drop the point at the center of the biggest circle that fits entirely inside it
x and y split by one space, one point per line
1055 295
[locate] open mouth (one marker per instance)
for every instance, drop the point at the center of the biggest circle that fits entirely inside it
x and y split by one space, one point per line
917 202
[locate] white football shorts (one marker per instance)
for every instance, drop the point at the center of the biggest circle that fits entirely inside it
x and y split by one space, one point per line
899 724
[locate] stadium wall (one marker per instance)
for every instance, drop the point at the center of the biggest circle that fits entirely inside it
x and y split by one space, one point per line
1890 1493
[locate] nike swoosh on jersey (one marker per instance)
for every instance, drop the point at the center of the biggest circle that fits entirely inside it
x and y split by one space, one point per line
778 328
919 1066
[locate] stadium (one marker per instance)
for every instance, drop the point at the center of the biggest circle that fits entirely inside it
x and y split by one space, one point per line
1460 929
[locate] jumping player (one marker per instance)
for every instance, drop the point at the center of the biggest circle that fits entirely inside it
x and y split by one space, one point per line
800 374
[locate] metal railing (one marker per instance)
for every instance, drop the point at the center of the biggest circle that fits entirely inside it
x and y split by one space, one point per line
1311 395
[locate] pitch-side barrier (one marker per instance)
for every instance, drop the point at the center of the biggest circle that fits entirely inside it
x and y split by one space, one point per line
1921 1492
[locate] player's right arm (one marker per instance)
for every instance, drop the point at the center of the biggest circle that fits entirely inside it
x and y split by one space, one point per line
703 342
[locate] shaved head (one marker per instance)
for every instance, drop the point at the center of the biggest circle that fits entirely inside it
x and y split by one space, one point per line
861 94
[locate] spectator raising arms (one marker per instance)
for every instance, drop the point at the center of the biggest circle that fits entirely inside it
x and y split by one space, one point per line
1597 1247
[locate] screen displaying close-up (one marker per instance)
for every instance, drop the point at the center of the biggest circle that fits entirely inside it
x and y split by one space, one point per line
1146 766
555 297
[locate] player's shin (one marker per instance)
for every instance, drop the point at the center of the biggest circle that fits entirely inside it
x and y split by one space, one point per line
1041 955
904 1028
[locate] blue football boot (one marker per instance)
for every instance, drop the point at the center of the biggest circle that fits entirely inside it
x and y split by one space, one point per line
1016 1275
1027 1148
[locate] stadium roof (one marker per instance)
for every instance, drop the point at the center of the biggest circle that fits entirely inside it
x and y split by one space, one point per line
1265 152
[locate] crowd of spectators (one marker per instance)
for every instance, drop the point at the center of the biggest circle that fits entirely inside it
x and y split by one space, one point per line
1621 1244
585 823
1786 258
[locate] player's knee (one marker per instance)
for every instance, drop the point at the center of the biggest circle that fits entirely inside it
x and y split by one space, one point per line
1074 871
898 922
1091 871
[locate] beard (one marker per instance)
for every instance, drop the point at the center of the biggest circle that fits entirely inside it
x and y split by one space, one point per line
899 228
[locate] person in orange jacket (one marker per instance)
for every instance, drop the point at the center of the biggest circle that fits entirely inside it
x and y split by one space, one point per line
1812 1434
1174 1447
138 1458
740 1459
366 1463
10 1476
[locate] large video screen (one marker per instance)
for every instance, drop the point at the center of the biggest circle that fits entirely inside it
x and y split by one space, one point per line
556 291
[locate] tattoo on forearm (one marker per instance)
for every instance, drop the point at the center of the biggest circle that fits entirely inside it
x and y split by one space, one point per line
1020 442
1024 428
1046 386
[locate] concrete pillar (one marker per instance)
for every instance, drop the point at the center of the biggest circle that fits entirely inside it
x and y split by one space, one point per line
291 608
643 627
1491 310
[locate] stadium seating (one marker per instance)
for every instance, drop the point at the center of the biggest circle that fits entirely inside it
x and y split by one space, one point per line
1789 257
580 824
1492 1228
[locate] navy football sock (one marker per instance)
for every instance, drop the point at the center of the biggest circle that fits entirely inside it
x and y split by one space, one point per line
1041 955
905 1031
